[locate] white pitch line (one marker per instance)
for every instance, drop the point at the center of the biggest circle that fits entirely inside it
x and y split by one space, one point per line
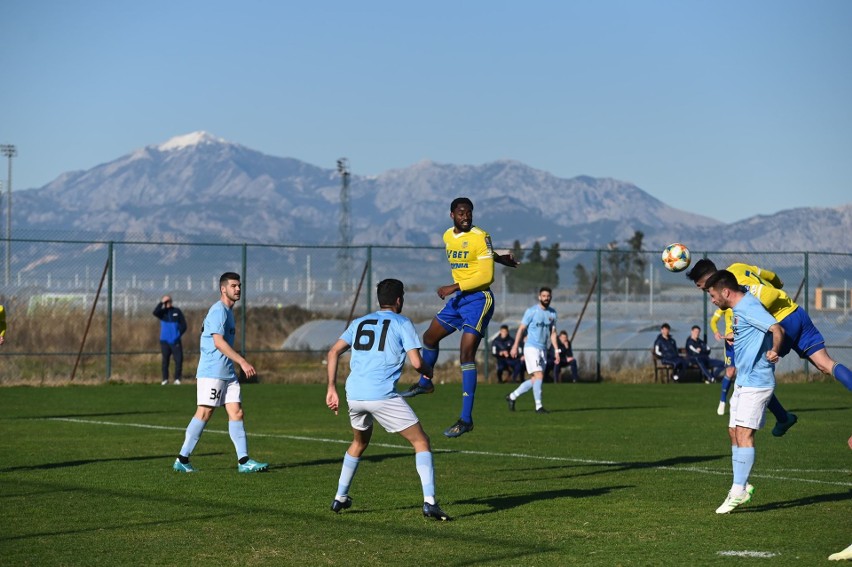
479 453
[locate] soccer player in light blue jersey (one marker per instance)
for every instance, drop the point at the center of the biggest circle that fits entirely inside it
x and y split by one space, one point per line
216 379
539 323
758 338
380 343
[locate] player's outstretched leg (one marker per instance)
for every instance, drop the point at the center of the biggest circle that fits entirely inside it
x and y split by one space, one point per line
424 385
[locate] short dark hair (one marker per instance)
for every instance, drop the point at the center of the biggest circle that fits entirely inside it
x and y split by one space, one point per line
504 327
696 327
666 326
460 201
723 279
223 279
388 291
545 288
701 268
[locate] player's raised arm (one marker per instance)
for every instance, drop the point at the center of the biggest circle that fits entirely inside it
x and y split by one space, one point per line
506 260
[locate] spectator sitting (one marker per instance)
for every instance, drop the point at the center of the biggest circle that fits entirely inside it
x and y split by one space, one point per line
566 358
665 348
697 352
501 348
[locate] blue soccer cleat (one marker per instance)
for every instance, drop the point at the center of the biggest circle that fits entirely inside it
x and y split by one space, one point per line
458 429
182 467
781 428
251 466
417 389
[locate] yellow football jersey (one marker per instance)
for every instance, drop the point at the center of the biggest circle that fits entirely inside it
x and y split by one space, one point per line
2 321
760 284
471 258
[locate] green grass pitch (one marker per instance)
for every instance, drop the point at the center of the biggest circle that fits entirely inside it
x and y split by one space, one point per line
614 475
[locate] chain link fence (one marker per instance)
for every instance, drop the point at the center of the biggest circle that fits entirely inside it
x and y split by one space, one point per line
85 307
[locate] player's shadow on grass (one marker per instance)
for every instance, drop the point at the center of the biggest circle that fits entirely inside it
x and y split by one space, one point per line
82 462
804 501
337 461
809 410
508 501
614 408
85 415
608 468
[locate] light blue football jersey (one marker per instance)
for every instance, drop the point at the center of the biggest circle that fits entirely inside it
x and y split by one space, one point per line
751 342
379 344
212 363
539 323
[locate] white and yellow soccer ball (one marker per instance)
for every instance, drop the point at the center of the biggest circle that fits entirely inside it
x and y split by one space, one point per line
676 257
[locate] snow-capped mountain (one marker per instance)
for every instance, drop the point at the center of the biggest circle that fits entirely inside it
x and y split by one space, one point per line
199 187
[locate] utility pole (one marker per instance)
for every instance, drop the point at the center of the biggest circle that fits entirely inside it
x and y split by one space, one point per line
9 151
344 254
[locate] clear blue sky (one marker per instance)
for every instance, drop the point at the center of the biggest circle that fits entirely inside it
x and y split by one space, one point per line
726 108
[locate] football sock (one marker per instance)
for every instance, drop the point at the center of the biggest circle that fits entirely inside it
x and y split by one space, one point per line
347 471
777 409
243 460
468 390
525 387
726 383
423 461
743 461
193 434
843 375
536 388
238 436
430 357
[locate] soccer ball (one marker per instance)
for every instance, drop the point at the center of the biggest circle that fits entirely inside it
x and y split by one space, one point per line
676 257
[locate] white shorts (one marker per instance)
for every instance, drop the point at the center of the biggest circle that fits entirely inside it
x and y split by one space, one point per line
215 393
534 359
393 414
748 406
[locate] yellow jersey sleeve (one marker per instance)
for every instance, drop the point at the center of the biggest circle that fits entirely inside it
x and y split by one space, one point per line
728 317
776 301
2 321
471 258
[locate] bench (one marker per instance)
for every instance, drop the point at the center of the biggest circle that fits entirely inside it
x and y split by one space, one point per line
663 372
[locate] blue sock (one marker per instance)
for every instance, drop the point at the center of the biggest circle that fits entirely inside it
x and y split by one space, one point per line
536 387
423 461
193 434
347 471
743 462
430 357
843 375
777 409
238 436
726 383
468 390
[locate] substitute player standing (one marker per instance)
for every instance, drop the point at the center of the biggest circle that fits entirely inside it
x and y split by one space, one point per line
216 379
380 343
758 339
539 323
471 260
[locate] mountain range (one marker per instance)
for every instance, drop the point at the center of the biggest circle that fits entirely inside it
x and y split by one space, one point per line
198 187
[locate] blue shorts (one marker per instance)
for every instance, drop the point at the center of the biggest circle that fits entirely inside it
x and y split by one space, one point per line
729 354
468 311
800 334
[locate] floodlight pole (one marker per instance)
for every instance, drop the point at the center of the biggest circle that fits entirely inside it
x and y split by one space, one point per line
9 151
345 225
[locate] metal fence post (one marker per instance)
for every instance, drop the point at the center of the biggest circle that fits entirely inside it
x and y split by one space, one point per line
110 276
370 279
244 298
598 322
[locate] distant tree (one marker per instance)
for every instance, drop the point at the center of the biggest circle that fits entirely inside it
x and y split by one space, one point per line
536 269
625 268
581 279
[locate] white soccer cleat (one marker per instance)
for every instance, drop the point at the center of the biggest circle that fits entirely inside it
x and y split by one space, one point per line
721 409
841 555
732 501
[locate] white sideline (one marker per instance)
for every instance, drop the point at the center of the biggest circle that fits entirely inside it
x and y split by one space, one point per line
480 453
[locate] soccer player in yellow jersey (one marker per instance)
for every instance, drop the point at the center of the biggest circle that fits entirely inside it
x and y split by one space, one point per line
730 369
800 333
469 309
